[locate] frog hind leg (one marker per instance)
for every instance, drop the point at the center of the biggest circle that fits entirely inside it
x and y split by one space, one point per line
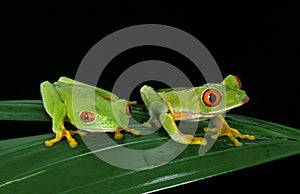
155 105
152 121
173 131
223 129
56 109
59 129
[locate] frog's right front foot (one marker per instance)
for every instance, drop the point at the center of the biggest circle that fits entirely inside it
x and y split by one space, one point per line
59 135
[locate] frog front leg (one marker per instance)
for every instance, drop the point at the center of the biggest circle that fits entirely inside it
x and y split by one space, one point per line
159 114
223 129
173 131
56 109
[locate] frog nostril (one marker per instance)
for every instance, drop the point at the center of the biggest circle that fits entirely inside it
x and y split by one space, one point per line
245 99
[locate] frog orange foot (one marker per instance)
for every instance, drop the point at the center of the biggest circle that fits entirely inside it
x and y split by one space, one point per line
118 135
231 133
189 139
59 135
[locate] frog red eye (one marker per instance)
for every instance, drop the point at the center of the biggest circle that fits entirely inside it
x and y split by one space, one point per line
238 81
211 97
128 110
87 117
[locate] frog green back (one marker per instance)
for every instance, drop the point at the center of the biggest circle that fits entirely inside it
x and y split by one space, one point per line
104 93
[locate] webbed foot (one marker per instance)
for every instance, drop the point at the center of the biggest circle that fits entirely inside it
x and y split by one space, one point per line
59 135
118 135
223 129
189 139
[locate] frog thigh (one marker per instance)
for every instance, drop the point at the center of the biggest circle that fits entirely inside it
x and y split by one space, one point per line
56 109
50 97
58 118
154 103
53 104
171 127
153 100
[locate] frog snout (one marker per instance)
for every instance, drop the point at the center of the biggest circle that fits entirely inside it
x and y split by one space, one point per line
245 99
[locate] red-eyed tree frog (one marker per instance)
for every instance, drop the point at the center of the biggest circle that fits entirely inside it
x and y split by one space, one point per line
104 112
208 101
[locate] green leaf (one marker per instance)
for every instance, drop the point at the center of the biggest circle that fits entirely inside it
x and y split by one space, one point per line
23 110
28 166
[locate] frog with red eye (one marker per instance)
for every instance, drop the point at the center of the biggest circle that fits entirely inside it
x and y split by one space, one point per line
86 107
210 101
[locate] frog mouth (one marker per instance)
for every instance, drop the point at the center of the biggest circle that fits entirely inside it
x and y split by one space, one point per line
189 116
99 130
224 110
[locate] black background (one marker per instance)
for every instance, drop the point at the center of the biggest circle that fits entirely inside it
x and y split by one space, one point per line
256 41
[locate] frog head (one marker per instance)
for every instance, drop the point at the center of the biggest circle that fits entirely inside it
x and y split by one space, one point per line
107 116
221 97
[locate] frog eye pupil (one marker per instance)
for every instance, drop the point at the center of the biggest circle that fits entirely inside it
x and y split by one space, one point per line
87 116
211 97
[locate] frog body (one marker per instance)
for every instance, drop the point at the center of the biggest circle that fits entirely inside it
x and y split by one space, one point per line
101 112
208 101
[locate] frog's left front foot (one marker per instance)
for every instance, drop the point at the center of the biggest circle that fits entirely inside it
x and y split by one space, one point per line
59 135
225 130
230 133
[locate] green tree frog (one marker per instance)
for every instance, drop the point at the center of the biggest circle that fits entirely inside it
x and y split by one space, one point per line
104 112
208 101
